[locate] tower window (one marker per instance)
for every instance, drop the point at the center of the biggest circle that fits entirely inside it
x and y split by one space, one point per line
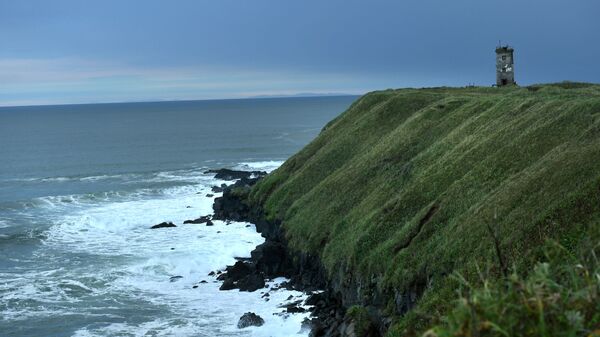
503 57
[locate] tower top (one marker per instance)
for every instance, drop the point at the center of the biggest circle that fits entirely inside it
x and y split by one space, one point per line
504 49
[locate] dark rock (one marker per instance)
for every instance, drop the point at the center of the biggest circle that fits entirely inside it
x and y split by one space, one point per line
243 259
239 270
163 225
209 223
227 174
307 325
317 329
305 272
243 276
272 259
251 283
188 206
194 287
227 285
175 278
250 319
209 195
212 273
200 220
217 189
316 298
230 206
295 309
203 281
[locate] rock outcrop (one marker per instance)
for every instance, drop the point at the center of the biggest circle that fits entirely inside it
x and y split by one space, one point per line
250 319
273 259
163 225
228 174
203 219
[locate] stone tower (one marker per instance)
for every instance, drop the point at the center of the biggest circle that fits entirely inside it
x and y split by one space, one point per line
505 69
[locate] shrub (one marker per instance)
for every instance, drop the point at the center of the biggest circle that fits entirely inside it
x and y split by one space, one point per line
555 299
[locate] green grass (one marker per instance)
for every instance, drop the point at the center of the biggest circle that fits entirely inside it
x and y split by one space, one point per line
361 319
558 299
409 186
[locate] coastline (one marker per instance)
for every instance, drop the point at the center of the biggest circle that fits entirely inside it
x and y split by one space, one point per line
409 188
329 300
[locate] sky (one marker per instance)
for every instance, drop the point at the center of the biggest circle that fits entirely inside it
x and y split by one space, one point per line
72 51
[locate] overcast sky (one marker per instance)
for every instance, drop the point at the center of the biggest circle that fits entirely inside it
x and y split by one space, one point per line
106 51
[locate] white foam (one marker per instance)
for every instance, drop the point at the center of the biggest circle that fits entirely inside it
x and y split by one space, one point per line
132 260
268 165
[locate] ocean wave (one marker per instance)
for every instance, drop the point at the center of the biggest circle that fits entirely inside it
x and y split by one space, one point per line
133 176
99 259
267 165
135 186
73 178
194 174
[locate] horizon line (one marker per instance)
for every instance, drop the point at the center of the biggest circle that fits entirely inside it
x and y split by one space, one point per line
306 95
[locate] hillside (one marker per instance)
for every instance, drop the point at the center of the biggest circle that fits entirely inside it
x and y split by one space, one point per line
408 187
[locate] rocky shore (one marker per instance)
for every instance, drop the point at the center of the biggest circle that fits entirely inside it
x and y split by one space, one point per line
329 300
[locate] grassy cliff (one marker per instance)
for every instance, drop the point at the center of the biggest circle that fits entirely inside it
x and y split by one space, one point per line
409 187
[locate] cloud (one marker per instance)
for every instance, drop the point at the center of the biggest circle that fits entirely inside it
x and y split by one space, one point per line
30 81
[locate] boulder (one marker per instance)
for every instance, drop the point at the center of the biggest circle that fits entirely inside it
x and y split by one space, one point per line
200 220
271 258
307 325
239 270
250 319
251 283
163 225
316 298
227 285
218 189
227 174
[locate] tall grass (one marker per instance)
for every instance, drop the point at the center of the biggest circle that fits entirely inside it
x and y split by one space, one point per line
556 299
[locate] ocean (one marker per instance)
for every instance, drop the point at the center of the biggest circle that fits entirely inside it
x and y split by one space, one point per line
80 187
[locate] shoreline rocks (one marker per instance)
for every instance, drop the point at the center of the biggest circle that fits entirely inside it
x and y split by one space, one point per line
228 174
331 296
250 319
243 276
273 259
163 225
203 219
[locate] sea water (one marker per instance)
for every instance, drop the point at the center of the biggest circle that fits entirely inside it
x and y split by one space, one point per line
80 187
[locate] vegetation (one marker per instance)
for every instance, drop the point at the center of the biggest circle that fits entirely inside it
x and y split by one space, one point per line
361 319
555 299
408 187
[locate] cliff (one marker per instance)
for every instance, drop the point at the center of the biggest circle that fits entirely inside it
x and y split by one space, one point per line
408 188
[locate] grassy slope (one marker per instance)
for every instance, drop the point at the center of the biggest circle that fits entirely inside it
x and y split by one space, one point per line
405 184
